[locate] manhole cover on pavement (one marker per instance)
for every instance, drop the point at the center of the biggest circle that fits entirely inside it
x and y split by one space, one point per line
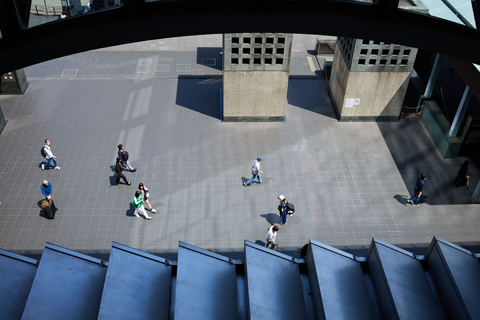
142 69
162 68
209 61
184 68
69 72
144 61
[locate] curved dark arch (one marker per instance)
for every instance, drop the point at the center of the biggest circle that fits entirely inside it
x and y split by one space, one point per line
140 21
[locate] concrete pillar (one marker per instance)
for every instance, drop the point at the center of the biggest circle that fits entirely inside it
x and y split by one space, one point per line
369 79
433 76
255 76
462 109
14 82
476 194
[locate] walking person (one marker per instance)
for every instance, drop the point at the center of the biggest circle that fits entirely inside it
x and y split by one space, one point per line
145 195
256 173
418 190
47 204
138 204
47 150
123 154
282 208
119 172
462 176
271 237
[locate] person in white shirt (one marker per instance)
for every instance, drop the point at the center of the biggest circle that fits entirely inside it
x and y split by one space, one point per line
255 172
50 157
271 236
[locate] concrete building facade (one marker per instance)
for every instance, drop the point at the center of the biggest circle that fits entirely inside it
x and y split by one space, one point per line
255 76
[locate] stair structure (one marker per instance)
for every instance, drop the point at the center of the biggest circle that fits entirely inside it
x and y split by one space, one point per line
389 283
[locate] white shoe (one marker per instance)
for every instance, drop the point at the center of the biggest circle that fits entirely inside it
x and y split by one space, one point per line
43 167
148 218
153 210
137 216
57 168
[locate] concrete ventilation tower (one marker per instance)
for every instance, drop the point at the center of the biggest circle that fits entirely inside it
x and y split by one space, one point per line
255 76
370 78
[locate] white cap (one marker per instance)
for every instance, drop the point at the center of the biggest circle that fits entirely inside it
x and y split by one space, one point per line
281 197
45 182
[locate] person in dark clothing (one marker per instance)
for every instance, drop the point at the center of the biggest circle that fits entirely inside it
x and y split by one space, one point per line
123 154
282 208
462 175
119 172
47 204
417 190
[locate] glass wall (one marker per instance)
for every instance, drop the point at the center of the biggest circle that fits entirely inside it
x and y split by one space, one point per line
46 11
458 11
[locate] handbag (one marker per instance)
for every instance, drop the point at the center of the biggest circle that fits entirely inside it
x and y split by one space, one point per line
147 194
46 203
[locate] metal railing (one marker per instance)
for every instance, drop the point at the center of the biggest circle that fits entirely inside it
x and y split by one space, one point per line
46 10
416 111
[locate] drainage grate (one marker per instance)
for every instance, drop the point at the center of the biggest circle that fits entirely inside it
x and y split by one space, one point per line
69 73
163 48
209 62
142 69
162 67
184 68
144 61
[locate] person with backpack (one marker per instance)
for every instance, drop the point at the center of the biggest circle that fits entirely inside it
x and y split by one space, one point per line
138 204
46 152
123 155
285 208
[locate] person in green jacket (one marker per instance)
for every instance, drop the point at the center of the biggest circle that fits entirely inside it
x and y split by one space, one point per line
138 204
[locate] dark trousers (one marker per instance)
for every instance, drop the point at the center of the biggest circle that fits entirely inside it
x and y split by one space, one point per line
121 176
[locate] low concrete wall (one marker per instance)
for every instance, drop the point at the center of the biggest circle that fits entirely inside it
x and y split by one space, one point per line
14 82
437 127
254 95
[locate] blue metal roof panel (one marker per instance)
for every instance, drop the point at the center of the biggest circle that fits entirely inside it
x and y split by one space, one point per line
65 286
206 287
136 287
274 287
342 285
411 295
16 281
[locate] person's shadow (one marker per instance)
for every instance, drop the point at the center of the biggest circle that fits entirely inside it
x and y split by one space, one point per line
272 218
131 211
46 165
401 199
113 180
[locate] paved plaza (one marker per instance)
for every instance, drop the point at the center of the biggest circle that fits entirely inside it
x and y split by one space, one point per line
348 180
